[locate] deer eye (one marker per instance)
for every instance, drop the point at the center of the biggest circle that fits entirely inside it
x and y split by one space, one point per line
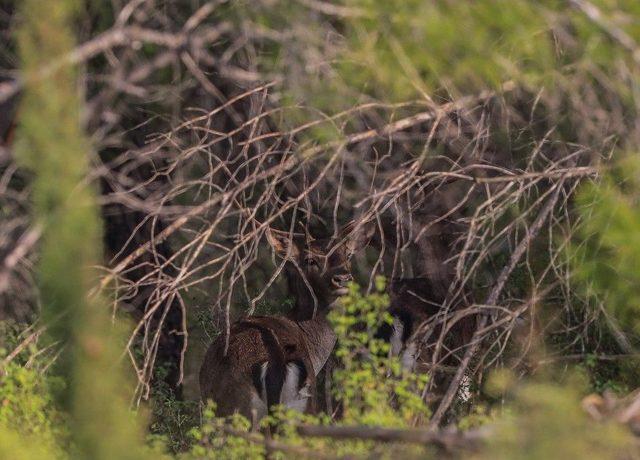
310 262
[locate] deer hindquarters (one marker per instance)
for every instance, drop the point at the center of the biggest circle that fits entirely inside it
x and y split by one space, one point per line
289 385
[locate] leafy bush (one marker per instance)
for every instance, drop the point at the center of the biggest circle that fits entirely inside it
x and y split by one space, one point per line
224 438
27 407
545 421
398 50
606 254
367 377
172 419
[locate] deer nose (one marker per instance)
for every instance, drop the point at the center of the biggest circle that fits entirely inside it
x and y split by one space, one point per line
341 280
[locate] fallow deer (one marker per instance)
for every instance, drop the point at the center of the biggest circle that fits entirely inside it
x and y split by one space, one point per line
274 360
418 305
413 303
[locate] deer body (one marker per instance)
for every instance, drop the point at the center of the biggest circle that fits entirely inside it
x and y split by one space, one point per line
274 360
270 360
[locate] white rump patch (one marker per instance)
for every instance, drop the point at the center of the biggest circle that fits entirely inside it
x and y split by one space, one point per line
408 353
290 396
409 356
259 398
396 336
263 382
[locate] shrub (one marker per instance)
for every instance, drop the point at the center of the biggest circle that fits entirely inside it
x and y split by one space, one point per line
545 421
28 413
369 386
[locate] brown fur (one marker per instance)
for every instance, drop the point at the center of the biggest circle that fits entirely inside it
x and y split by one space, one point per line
228 380
317 270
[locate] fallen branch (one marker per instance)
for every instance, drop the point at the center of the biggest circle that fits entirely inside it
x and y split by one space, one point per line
447 439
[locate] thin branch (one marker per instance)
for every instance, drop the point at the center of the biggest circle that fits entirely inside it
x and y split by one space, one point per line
476 340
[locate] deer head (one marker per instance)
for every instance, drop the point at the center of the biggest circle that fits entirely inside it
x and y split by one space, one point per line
318 270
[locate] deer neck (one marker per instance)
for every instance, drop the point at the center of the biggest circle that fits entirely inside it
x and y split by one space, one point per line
309 299
320 340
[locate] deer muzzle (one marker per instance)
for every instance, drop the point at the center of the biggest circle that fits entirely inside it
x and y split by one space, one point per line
340 283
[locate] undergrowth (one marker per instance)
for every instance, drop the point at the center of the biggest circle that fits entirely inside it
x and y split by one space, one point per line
370 389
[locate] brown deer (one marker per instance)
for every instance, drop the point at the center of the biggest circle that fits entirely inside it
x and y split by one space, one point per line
421 307
416 305
274 360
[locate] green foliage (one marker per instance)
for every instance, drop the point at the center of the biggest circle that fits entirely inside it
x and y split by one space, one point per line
366 377
605 258
399 50
466 46
13 446
618 376
27 407
480 415
52 145
406 48
606 253
172 419
224 438
545 421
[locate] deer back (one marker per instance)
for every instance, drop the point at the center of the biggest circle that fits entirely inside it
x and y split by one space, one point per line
269 360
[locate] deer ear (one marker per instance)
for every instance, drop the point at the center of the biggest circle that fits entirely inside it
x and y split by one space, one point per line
359 235
282 243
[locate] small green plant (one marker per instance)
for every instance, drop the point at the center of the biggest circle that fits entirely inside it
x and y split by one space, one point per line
27 408
606 252
172 418
618 376
222 438
370 385
479 415
27 404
